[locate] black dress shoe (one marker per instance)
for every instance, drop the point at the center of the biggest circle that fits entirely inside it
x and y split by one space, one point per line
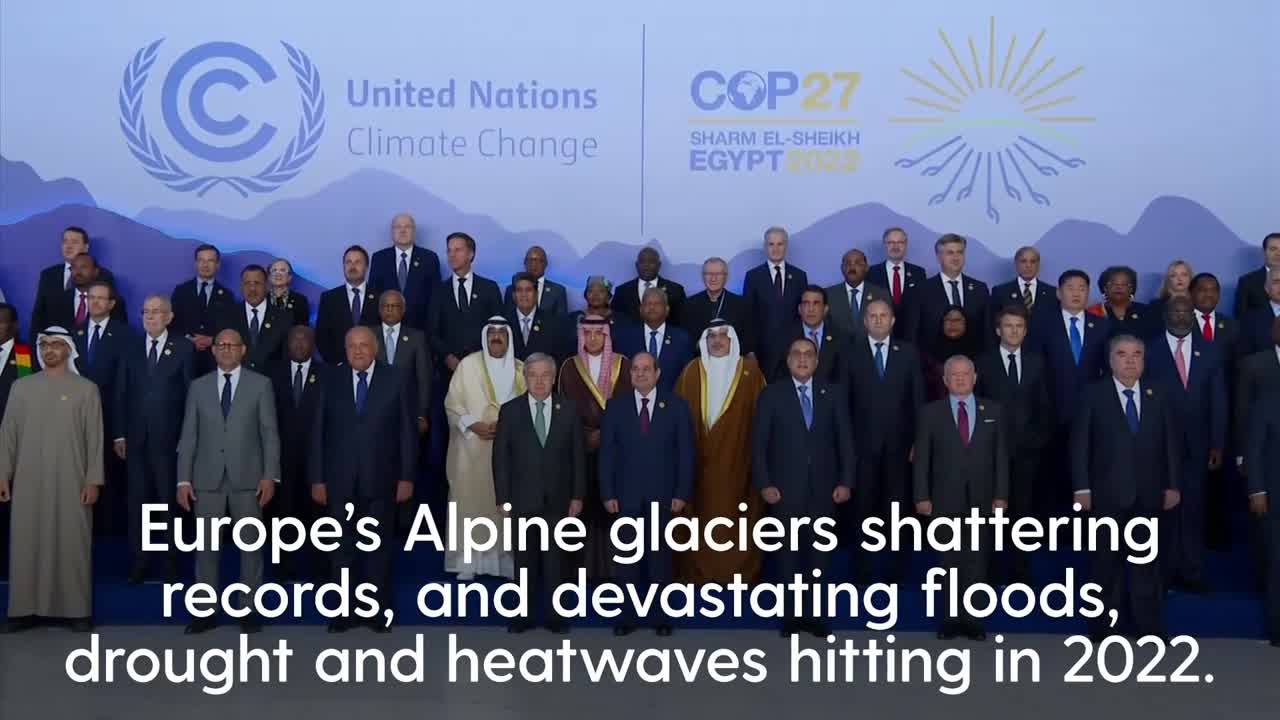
250 625
622 630
17 625
664 631
558 628
200 625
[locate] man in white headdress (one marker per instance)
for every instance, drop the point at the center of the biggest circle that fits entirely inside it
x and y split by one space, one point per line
482 382
721 387
51 470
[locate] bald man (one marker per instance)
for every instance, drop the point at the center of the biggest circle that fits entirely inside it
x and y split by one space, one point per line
408 267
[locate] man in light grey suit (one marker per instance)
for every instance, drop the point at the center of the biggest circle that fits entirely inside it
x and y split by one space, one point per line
847 300
406 350
228 458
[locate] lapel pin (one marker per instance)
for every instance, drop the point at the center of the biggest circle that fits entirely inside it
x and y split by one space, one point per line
268 326
404 339
80 332
970 286
167 351
828 338
536 328
311 379
1013 295
1221 325
289 305
895 348
1197 353
219 291
370 296
790 276
1090 323
415 263
475 296
662 404
557 406
1135 316
822 391
64 397
982 408
13 362
666 341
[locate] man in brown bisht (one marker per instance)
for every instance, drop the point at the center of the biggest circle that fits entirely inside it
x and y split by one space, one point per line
590 378
51 469
721 387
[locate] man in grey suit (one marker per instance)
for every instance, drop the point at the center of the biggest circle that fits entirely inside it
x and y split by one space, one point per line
228 458
405 349
962 462
847 300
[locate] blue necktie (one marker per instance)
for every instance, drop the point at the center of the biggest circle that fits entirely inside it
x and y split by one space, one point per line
355 306
1077 341
93 343
853 305
1131 411
362 391
806 406
226 395
880 359
402 273
653 343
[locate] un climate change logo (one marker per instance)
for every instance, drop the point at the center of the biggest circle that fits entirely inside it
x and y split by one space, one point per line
162 166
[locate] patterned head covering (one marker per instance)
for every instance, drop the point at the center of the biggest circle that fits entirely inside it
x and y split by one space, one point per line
59 334
604 382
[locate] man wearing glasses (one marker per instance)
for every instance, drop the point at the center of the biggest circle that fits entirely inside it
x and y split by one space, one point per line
717 303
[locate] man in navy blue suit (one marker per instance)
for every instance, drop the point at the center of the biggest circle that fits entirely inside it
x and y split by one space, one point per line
407 267
950 287
364 451
772 291
816 324
195 304
664 340
101 344
461 307
1192 371
1126 462
353 303
1027 290
802 462
896 275
646 457
1263 458
57 301
151 392
629 296
1255 330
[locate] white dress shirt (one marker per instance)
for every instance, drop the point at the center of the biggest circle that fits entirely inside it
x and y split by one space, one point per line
355 380
248 315
773 267
1275 308
889 265
884 347
5 350
808 388
662 334
546 410
1017 360
1137 395
160 339
1066 323
640 286
222 381
946 285
100 324
394 330
651 397
862 294
360 289
469 280
294 366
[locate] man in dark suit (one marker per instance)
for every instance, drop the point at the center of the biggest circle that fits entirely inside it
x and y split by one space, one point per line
898 276
1255 326
773 291
151 392
297 393
1222 331
716 302
802 462
344 307
363 451
550 297
1263 453
261 327
886 392
848 299
534 328
195 305
1074 349
1014 376
539 467
461 305
662 339
646 458
962 464
1259 375
949 287
1126 464
1191 370
816 325
1026 289
1251 291
71 307
56 301
407 267
628 297
406 350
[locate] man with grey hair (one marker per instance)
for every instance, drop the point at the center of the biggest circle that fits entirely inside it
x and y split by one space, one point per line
716 302
773 290
1025 289
961 465
539 473
408 267
1125 465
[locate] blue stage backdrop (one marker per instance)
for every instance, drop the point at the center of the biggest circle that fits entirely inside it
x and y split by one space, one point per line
1101 132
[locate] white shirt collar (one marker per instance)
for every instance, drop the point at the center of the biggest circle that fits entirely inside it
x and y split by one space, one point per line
1004 354
947 280
235 377
1120 388
306 366
781 264
652 396
395 329
884 347
849 288
522 317
1067 315
889 265
1022 284
103 322
467 278
661 330
807 385
359 287
160 339
406 253
546 408
259 307
1200 316
1186 343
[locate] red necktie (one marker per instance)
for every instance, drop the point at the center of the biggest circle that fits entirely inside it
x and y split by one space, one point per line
82 310
644 416
1207 330
897 284
962 421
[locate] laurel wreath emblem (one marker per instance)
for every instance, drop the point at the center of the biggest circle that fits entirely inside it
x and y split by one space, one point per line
164 168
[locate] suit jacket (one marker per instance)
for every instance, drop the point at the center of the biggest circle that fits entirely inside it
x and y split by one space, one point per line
626 299
105 370
805 464
699 310
268 351
420 284
152 402
413 360
55 305
542 333
244 446
1028 412
769 313
832 354
1068 379
640 468
363 455
1251 292
1255 330
1259 377
884 410
333 320
190 315
1200 408
553 303
841 315
294 420
955 476
929 302
1044 310
454 332
1262 448
539 479
913 275
1125 471
674 355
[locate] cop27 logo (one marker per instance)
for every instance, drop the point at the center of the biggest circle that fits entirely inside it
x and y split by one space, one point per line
995 118
163 167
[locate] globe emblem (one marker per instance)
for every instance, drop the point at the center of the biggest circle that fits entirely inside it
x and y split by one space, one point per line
746 90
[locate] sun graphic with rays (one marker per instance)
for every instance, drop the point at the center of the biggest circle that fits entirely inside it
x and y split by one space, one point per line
995 122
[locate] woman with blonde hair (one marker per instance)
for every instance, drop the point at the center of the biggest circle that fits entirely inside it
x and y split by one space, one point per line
1176 283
